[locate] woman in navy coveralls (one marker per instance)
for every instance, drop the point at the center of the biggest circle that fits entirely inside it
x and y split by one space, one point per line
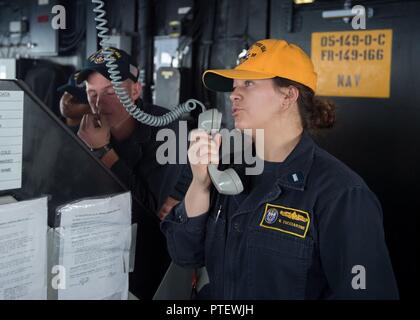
307 227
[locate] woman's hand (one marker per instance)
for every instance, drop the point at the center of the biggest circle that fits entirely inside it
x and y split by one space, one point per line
203 151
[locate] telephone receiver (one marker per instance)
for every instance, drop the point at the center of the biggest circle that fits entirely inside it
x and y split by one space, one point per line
228 181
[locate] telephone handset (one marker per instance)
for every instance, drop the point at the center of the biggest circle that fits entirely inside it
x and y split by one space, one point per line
228 181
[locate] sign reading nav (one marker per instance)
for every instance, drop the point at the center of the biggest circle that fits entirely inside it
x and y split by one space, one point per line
11 139
353 63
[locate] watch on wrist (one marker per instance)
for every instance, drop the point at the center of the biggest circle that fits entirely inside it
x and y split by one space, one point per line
100 152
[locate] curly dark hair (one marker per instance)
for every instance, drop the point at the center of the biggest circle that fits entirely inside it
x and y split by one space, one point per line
314 112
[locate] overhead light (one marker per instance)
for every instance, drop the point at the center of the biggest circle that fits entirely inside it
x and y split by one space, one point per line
347 13
344 13
303 1
334 14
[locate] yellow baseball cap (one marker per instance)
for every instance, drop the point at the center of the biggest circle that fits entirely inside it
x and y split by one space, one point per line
266 59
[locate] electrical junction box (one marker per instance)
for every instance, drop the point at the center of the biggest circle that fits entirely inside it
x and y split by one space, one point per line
18 26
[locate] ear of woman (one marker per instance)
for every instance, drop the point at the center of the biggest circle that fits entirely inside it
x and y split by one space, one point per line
289 95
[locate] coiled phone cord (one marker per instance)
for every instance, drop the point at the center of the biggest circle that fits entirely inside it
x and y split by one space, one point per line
123 96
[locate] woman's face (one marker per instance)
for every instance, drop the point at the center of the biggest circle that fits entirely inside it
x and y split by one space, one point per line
255 103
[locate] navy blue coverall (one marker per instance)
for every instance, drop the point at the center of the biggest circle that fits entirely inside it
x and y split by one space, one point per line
306 228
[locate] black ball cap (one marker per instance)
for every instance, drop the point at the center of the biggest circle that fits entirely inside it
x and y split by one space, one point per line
126 64
78 91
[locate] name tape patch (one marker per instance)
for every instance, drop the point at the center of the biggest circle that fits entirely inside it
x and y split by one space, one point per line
287 220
